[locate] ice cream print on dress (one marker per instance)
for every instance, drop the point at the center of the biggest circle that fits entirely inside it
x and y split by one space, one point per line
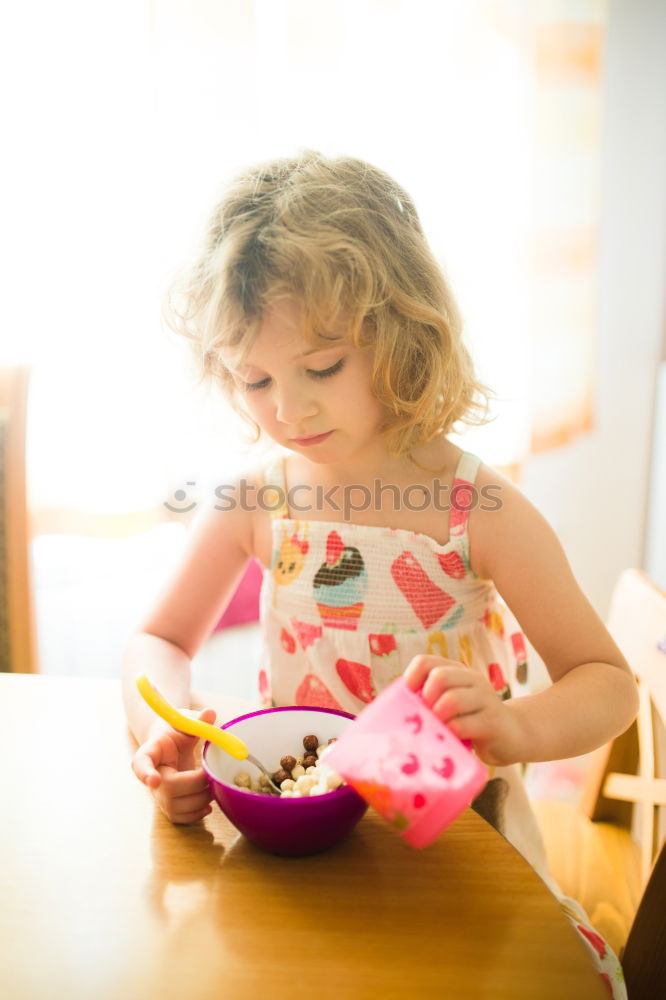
340 584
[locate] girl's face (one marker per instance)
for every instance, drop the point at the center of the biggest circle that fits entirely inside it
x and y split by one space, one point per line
313 400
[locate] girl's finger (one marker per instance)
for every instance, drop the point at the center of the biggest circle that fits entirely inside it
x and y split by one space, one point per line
444 678
422 666
179 783
192 817
163 749
468 727
160 758
183 742
186 804
419 668
457 702
144 767
434 687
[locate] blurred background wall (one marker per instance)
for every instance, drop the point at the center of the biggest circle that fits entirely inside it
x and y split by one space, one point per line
532 136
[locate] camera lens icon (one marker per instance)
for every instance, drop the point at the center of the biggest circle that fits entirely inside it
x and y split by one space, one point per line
180 496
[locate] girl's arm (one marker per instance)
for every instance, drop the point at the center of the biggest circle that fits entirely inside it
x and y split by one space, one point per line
183 617
593 697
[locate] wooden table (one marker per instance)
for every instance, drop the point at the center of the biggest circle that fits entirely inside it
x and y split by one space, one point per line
101 898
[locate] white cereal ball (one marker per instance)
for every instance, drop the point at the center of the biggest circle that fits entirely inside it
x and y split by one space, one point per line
298 771
321 749
311 769
299 760
286 793
255 786
242 779
296 794
263 781
333 780
305 783
288 785
317 790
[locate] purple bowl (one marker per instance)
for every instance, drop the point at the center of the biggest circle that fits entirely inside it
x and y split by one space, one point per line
282 826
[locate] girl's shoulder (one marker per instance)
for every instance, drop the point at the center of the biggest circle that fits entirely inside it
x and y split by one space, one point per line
513 544
232 513
261 487
504 525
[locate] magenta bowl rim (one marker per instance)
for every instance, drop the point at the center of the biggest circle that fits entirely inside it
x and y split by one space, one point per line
343 790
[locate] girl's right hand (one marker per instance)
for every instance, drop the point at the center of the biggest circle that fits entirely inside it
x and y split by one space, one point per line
165 763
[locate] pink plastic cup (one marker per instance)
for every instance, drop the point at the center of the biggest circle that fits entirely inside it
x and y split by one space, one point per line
407 764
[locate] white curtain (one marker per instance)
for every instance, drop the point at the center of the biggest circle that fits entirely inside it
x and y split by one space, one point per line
127 118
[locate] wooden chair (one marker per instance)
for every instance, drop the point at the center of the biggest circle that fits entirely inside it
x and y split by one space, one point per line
17 629
628 770
644 957
601 852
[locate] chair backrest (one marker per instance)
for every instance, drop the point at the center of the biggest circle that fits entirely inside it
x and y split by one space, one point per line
626 782
644 955
17 632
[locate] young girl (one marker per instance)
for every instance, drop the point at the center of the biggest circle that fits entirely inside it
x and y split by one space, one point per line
318 305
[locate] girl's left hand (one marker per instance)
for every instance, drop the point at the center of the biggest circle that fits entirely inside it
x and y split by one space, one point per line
469 705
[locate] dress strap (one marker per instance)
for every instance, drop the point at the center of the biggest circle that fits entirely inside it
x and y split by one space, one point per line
275 486
463 494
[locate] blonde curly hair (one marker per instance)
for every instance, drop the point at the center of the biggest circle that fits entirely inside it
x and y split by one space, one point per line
342 238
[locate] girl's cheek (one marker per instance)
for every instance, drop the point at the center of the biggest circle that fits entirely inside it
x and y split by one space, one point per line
254 406
261 412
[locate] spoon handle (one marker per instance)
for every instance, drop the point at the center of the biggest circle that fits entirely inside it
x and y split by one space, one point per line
184 724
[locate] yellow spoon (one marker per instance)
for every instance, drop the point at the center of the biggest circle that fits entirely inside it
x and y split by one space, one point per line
195 727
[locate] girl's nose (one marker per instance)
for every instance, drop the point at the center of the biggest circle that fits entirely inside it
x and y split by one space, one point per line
294 406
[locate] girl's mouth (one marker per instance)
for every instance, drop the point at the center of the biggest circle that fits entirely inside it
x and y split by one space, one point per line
315 439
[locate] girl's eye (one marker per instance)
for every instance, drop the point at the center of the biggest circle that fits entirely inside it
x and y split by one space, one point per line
322 373
326 372
251 386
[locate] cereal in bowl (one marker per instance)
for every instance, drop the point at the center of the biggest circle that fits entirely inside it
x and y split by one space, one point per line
298 776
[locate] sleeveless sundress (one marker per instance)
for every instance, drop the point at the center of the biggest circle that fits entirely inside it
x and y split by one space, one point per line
345 607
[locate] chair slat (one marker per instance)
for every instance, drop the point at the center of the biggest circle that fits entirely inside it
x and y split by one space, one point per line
644 957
